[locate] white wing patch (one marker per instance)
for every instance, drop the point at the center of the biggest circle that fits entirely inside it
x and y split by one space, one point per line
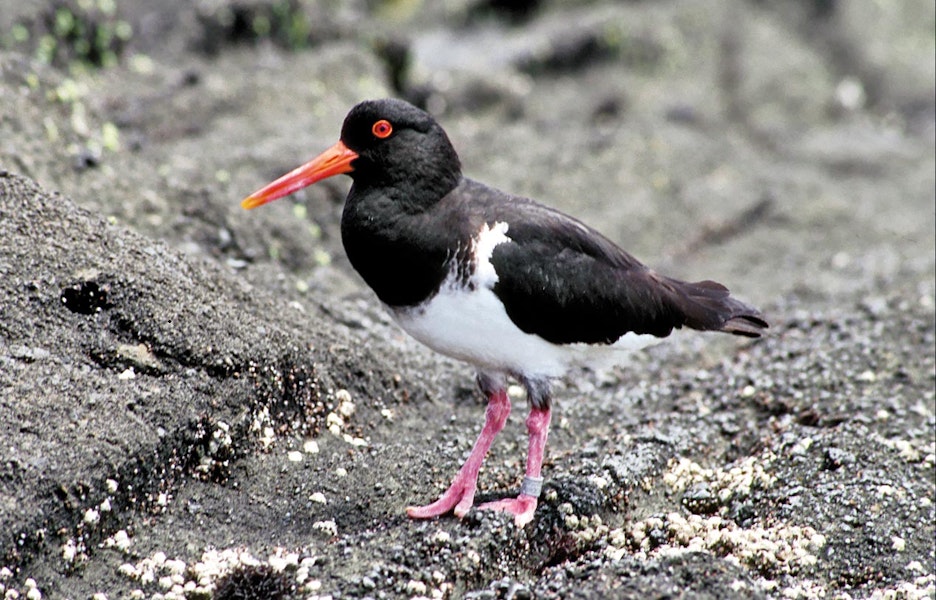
488 238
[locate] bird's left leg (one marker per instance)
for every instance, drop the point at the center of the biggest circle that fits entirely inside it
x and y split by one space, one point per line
524 505
460 495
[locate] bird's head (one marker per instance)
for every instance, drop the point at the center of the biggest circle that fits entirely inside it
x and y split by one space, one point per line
384 143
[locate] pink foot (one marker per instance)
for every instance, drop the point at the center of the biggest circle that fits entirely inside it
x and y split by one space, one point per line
522 508
459 496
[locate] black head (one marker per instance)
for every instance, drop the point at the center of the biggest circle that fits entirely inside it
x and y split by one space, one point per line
397 143
386 145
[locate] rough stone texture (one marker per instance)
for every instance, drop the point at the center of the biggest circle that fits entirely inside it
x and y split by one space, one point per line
184 384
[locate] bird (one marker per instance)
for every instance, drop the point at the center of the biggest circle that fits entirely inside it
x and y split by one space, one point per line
518 290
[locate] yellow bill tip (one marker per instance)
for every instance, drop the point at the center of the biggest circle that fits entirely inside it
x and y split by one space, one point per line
251 202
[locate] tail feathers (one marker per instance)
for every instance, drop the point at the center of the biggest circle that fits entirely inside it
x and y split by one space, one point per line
707 306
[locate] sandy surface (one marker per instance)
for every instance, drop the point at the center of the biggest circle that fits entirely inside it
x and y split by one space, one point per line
197 401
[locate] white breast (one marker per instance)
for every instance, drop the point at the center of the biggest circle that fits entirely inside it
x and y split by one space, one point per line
469 323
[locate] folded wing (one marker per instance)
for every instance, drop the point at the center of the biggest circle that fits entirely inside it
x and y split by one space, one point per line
566 283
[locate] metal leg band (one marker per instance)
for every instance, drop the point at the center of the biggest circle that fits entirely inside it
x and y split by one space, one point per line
531 486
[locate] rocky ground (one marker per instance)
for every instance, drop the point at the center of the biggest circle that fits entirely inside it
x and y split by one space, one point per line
201 402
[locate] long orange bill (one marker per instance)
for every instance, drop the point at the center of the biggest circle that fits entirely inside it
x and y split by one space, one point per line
334 161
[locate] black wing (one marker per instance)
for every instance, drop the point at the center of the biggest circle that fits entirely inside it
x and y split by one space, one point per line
565 282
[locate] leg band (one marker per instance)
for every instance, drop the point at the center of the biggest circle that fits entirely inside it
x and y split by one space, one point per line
531 486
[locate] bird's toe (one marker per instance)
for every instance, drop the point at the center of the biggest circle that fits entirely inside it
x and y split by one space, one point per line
522 508
459 496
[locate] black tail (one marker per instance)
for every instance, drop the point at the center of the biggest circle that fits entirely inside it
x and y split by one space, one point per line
707 306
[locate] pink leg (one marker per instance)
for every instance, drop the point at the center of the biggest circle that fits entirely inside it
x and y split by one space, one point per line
460 494
523 506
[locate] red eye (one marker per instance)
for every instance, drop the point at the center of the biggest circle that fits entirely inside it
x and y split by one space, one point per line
382 129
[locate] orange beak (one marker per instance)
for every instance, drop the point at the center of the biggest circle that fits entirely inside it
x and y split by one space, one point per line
334 161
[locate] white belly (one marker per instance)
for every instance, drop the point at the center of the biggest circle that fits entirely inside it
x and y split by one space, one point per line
474 327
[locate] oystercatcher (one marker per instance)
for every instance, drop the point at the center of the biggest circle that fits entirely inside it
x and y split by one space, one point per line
515 288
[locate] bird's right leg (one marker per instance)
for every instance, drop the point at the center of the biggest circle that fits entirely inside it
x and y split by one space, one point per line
460 495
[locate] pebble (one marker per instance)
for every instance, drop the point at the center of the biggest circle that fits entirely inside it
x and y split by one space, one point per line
598 481
441 537
120 540
32 592
329 527
801 447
